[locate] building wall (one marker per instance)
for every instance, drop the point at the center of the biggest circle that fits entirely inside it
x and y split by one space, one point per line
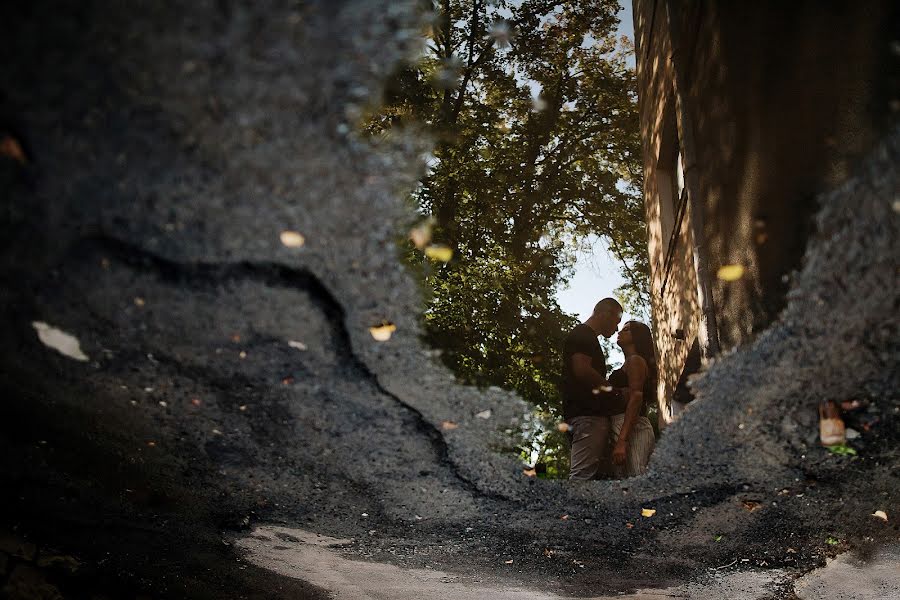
782 99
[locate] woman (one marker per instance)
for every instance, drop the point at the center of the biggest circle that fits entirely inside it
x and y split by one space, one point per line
632 431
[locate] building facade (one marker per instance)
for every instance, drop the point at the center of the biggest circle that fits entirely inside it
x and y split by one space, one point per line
748 111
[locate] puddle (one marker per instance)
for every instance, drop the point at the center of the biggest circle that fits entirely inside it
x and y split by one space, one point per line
313 558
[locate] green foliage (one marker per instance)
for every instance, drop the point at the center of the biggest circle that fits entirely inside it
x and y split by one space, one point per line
842 450
537 147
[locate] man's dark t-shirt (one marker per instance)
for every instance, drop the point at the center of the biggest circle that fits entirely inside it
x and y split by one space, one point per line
579 399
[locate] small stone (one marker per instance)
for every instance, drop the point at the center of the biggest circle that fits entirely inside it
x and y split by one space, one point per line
58 561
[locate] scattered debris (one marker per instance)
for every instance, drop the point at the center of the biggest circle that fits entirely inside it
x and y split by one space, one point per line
216 432
448 425
59 340
508 562
11 148
139 302
750 505
881 515
298 345
439 252
421 234
196 401
562 427
485 414
851 434
730 272
529 472
242 354
831 425
383 331
564 518
832 541
292 239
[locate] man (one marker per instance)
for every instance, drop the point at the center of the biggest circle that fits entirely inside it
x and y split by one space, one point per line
588 399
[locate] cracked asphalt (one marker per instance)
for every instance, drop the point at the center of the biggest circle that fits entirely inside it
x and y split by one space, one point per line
168 147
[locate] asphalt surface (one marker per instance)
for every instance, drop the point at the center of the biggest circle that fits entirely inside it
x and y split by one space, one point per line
232 382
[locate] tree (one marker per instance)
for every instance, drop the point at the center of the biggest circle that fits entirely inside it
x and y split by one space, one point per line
537 146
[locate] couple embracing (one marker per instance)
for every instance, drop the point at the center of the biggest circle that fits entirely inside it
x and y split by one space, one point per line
606 417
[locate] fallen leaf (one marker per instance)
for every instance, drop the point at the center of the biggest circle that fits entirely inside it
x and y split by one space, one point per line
448 425
750 505
10 147
832 541
485 414
421 234
880 514
292 239
564 518
529 472
298 345
383 332
730 272
648 512
60 341
562 427
629 525
439 252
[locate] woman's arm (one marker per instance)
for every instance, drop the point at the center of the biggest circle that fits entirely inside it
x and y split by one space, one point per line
636 369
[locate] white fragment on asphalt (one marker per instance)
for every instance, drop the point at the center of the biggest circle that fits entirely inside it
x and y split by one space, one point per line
880 514
297 345
485 414
64 343
851 434
216 432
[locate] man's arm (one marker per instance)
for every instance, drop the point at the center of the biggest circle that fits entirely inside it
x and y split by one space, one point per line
585 372
582 368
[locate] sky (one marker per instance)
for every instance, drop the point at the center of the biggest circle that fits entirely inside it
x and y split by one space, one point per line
596 271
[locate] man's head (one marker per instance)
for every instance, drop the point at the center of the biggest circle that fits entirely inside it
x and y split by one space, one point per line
606 317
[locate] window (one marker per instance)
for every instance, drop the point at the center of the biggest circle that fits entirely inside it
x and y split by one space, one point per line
669 179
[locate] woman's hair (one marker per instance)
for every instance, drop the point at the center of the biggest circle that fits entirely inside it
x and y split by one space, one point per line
643 344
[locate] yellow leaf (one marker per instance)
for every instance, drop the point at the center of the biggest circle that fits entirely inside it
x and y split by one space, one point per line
383 332
439 252
292 239
730 272
648 512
